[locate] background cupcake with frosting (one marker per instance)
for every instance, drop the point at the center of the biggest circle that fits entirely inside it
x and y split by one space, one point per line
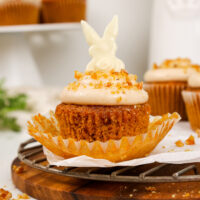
191 96
18 12
164 84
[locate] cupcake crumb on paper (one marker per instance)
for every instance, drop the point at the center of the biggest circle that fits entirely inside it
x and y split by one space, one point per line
179 143
190 140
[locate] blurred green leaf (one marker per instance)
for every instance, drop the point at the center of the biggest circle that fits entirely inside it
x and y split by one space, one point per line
8 104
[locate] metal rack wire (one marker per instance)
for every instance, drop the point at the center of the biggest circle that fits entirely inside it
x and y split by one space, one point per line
31 153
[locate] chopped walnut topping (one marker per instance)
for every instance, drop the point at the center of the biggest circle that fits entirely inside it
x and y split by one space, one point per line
78 75
5 195
127 81
179 143
190 140
18 169
183 63
119 99
155 66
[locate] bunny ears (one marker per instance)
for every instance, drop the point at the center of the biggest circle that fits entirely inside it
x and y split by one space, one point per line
110 31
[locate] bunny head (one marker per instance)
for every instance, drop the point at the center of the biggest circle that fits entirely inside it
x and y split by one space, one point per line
102 50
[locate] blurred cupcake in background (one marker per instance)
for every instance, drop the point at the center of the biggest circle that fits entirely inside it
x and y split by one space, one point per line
165 83
55 11
18 12
191 98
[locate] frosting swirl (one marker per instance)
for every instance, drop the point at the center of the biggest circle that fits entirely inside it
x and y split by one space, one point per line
104 88
171 70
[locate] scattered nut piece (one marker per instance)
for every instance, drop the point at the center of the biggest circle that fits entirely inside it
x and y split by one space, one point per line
190 140
173 195
187 194
150 188
179 143
23 196
130 195
5 195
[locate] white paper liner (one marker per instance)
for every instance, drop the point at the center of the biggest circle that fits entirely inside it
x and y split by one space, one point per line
170 154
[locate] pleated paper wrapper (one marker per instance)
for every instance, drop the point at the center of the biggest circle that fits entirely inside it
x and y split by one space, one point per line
166 98
68 152
192 103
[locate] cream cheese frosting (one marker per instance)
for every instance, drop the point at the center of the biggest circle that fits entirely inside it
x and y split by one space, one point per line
105 88
194 80
105 82
35 2
171 70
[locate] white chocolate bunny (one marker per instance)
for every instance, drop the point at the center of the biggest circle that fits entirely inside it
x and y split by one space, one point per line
102 50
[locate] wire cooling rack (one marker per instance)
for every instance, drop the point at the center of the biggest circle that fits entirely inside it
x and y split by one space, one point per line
31 153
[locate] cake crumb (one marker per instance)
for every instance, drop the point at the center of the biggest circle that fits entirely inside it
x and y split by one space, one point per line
4 194
186 150
190 140
171 150
173 195
130 195
163 147
18 169
187 194
150 188
134 190
22 196
179 143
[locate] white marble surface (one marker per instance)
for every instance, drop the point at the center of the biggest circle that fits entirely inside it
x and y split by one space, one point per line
9 142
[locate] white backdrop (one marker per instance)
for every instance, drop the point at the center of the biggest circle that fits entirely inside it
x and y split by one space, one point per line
58 55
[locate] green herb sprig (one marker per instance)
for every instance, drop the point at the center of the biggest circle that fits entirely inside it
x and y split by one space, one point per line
9 104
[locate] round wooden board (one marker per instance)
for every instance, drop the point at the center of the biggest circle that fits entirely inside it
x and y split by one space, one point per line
45 186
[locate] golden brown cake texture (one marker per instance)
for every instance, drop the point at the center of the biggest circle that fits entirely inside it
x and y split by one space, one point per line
19 13
54 11
91 123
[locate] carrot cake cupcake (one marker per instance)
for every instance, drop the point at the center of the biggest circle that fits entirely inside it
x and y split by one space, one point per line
55 11
191 97
17 12
104 114
165 83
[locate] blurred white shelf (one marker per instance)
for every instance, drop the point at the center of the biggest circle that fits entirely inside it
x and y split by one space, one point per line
40 27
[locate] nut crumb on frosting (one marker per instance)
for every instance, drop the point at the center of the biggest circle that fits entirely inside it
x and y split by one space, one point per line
127 81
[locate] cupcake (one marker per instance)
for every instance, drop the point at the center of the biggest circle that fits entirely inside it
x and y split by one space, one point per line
55 11
18 12
191 96
165 83
104 113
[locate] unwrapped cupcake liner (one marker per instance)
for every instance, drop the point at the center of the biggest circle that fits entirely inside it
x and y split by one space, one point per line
192 103
46 131
63 11
17 13
166 98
